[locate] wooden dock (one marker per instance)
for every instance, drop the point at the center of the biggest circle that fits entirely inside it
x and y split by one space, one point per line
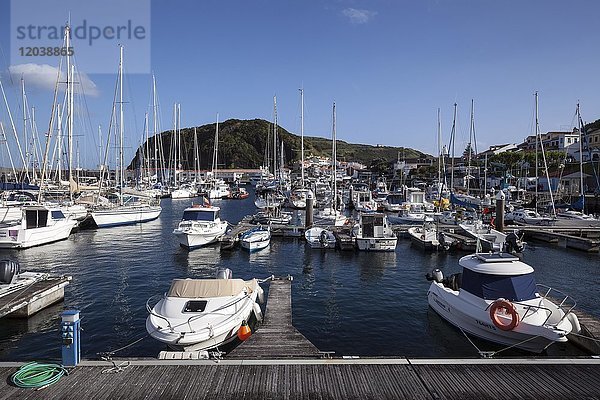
589 337
33 298
276 337
580 239
320 379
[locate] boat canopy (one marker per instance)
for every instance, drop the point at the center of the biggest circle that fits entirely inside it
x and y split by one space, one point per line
493 287
205 288
495 264
200 214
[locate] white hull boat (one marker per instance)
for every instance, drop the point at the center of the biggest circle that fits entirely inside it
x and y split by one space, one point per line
373 233
39 225
496 299
319 238
200 226
256 238
202 314
490 239
125 215
424 237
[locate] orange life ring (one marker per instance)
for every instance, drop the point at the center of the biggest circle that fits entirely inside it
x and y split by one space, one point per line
507 308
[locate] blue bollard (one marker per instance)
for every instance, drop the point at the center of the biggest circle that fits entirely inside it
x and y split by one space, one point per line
70 329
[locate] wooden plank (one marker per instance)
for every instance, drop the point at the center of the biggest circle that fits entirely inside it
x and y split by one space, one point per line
19 299
276 337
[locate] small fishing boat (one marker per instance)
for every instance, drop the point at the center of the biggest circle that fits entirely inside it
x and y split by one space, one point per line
426 237
12 279
39 225
489 238
202 314
199 226
496 298
374 233
320 238
256 238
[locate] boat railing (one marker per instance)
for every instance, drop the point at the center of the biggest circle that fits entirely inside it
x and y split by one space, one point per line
567 304
153 300
533 308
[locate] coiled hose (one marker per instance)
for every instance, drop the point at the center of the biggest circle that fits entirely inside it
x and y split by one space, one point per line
37 375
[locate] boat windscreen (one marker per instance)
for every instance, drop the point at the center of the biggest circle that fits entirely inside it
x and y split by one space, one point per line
492 287
198 215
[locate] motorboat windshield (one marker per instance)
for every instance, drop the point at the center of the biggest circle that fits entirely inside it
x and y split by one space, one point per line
200 215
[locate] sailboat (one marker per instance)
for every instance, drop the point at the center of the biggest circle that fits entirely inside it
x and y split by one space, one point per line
181 190
126 209
298 195
331 214
218 188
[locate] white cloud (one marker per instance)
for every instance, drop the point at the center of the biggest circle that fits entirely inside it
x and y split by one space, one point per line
357 16
43 76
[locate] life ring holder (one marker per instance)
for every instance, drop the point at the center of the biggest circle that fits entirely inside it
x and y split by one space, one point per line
510 309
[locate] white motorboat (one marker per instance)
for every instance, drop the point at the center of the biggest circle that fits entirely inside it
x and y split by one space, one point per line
298 197
199 226
528 217
320 238
414 213
202 314
425 237
374 233
576 218
184 192
39 225
496 298
256 238
489 238
331 216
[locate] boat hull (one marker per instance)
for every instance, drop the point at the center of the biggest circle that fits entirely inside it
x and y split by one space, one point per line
478 323
195 238
18 238
119 217
376 244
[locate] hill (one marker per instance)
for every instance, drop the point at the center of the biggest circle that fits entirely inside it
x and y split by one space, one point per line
242 144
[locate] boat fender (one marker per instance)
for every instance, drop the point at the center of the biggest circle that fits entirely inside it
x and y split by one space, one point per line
572 318
244 332
438 276
257 312
507 308
260 295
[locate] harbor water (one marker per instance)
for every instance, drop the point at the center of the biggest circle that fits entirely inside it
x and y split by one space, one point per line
351 303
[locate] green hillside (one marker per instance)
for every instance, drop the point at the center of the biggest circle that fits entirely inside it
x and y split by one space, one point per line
242 144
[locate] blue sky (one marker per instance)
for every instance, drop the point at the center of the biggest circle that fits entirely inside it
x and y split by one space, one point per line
388 64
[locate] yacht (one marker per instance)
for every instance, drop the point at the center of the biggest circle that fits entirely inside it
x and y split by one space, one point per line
202 314
131 210
496 298
374 233
199 226
528 217
40 224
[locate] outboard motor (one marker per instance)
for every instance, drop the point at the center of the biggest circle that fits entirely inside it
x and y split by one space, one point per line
224 273
8 271
513 244
435 275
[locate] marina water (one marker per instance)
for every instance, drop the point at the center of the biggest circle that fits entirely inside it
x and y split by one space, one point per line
352 303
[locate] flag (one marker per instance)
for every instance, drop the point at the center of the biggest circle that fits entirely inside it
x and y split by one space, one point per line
205 201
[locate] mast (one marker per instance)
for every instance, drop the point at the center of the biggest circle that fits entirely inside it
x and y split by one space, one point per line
173 151
155 126
121 132
580 128
452 140
25 124
215 153
196 157
537 139
334 161
439 141
275 137
179 165
537 131
59 139
471 135
302 135
147 151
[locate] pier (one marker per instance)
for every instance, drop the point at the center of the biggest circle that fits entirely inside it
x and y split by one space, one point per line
31 299
276 338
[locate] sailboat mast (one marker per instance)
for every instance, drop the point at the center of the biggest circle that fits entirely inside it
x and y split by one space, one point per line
537 140
471 133
25 123
155 126
334 161
275 137
302 135
452 140
215 151
121 131
537 129
581 189
439 142
59 143
179 166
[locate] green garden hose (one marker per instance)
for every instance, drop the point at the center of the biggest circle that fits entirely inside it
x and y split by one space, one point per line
37 375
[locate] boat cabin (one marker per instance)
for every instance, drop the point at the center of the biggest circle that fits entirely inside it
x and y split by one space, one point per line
38 217
201 214
373 225
491 276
